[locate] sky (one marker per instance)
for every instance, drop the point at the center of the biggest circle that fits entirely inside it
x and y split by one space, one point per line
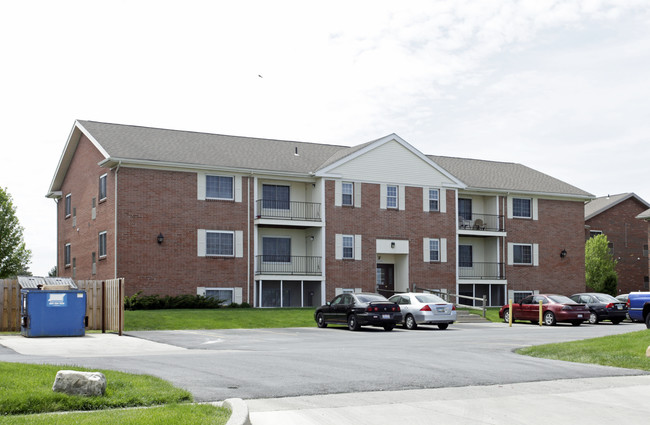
559 86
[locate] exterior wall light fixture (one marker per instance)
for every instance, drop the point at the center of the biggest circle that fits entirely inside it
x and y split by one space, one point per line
392 244
563 253
160 238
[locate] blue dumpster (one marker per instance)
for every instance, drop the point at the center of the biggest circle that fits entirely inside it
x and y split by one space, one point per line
60 312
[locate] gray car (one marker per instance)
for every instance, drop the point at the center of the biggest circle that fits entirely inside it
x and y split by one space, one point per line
424 309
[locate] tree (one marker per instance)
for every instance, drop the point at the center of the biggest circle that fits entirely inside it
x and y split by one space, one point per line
14 256
600 266
54 272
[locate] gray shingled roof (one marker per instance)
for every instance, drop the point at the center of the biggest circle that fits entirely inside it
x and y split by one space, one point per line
135 143
598 205
645 215
508 176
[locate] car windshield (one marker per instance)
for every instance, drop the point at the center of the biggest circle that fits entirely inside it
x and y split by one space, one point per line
605 298
429 298
561 299
366 298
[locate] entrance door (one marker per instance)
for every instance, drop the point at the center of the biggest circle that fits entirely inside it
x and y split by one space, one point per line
386 279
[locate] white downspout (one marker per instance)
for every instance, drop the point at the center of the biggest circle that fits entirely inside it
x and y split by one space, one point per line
115 226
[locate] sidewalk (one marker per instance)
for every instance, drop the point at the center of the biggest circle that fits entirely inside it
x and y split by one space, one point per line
587 401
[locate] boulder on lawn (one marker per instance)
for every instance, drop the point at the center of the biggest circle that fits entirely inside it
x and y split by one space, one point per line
73 382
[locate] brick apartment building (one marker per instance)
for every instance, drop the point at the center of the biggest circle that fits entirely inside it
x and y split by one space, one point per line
282 223
617 217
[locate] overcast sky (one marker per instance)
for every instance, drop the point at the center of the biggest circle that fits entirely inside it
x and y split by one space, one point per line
560 86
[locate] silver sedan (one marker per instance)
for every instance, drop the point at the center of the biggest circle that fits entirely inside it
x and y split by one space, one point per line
424 309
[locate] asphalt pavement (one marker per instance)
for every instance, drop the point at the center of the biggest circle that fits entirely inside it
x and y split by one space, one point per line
467 374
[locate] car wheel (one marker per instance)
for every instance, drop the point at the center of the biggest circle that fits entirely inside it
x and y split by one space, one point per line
549 318
506 316
647 321
576 322
388 328
593 318
353 324
320 320
443 326
410 322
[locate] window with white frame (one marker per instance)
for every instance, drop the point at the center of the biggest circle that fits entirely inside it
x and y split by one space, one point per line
276 249
348 246
102 244
391 197
434 250
520 295
593 233
102 187
434 200
66 255
347 193
68 204
219 244
521 207
219 187
224 294
522 254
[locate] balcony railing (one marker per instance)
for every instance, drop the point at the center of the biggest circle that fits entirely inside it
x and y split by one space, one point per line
288 210
484 271
287 265
484 222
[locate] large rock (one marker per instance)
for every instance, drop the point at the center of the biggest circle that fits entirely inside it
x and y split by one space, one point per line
73 382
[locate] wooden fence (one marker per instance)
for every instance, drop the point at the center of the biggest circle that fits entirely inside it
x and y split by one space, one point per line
104 305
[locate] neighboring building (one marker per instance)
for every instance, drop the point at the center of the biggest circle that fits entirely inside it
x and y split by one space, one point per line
281 223
645 215
616 216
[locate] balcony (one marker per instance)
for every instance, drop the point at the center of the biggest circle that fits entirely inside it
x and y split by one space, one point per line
287 210
482 222
482 271
287 265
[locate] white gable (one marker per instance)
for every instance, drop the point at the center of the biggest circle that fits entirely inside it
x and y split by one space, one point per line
392 162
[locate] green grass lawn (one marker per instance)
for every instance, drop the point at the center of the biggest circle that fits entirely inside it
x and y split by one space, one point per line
491 313
222 318
625 350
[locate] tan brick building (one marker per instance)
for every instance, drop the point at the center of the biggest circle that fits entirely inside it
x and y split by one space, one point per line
282 223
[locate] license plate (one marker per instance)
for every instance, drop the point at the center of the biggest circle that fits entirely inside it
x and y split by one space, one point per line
579 316
385 316
440 309
619 307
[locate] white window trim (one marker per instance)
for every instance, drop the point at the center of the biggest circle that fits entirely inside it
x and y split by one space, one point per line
534 208
67 252
430 250
99 238
397 203
534 254
351 239
442 250
105 177
238 243
67 206
201 187
236 296
338 249
351 194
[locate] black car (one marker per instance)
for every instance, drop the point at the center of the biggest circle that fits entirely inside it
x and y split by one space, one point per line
602 307
359 309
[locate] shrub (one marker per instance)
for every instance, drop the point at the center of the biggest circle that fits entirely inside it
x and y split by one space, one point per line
138 301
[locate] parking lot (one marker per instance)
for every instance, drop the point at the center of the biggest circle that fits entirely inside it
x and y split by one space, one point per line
262 363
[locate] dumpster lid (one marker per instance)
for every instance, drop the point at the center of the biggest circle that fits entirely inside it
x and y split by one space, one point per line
36 282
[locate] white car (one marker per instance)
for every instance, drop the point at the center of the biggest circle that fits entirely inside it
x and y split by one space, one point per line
424 309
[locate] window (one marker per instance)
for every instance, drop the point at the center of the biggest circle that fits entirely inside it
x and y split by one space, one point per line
465 256
434 198
276 250
218 187
275 196
102 244
102 187
521 208
391 197
645 250
347 192
68 204
94 263
66 255
219 244
593 233
465 209
522 254
223 294
348 246
434 250
520 295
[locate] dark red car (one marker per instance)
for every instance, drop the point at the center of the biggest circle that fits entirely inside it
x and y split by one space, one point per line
555 308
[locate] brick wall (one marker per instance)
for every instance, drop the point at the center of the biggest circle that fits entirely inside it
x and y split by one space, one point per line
629 235
559 227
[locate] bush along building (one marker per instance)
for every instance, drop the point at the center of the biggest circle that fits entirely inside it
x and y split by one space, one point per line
618 217
289 224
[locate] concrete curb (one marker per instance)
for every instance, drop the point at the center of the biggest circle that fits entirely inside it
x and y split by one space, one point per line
239 409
